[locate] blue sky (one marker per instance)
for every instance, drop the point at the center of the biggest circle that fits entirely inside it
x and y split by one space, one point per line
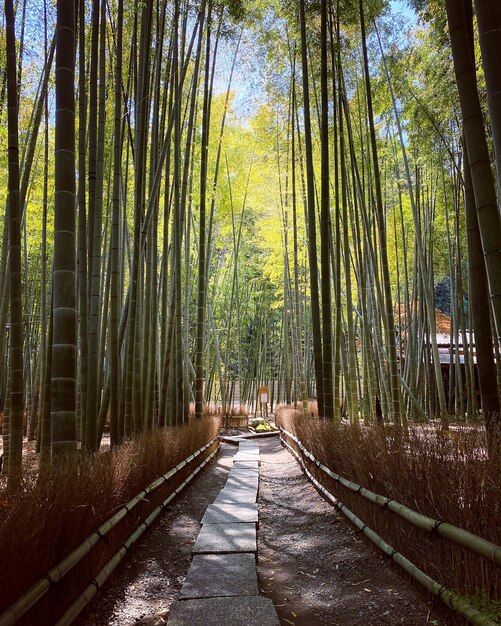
399 6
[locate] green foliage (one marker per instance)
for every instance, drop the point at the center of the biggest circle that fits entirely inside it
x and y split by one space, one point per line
487 606
236 9
433 12
265 428
349 11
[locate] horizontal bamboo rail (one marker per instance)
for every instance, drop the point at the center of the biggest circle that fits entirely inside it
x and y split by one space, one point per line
23 604
82 601
477 544
448 596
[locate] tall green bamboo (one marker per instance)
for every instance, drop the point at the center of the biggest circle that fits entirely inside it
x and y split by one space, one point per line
312 229
202 233
115 373
63 398
297 295
422 263
325 224
388 300
489 28
16 381
459 19
95 259
83 313
479 294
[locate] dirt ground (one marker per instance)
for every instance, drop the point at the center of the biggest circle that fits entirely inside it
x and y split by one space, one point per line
315 567
318 568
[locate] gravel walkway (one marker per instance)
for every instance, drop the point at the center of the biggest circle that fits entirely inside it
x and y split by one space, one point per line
316 567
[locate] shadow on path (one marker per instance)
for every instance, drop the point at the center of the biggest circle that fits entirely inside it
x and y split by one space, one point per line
316 567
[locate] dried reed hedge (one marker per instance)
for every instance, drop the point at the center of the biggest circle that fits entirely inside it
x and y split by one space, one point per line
53 514
217 410
445 475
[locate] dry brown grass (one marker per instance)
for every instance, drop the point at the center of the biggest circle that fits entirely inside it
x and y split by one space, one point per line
51 516
282 410
446 476
217 410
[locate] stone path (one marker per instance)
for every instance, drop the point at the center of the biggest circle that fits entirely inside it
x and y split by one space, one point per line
221 587
315 567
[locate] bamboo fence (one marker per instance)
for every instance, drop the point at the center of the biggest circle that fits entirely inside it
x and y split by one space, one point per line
453 533
14 613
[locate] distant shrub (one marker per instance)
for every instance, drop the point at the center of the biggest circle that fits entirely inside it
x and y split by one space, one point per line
264 428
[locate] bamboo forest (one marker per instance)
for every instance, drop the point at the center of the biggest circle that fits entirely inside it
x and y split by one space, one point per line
250 312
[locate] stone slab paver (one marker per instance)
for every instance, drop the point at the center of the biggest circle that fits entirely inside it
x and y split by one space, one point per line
223 538
255 459
224 513
246 457
247 445
239 472
244 471
221 575
236 495
246 464
242 481
253 611
243 456
249 437
241 487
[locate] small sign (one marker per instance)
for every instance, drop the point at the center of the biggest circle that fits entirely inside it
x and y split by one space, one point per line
263 394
